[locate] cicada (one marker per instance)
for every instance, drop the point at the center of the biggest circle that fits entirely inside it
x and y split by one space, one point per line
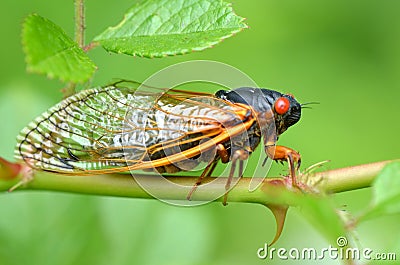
119 128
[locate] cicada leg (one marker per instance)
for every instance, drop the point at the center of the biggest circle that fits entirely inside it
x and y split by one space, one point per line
240 155
223 155
283 153
206 173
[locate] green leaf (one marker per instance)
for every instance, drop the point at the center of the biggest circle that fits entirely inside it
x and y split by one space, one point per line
170 27
50 51
323 216
386 190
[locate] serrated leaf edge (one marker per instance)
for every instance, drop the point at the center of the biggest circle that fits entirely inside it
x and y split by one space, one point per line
28 62
242 26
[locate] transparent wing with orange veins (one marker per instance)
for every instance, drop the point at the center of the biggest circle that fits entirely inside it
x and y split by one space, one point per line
116 128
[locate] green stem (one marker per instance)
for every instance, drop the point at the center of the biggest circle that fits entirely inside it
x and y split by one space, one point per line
350 178
80 22
124 185
69 89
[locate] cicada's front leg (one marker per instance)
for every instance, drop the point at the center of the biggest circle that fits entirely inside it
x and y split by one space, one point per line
283 153
279 152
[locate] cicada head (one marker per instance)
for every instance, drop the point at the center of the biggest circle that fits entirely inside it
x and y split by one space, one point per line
285 108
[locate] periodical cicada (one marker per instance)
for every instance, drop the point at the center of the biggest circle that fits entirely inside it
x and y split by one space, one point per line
117 128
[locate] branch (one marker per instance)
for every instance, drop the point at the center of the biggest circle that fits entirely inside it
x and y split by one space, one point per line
124 185
69 89
80 22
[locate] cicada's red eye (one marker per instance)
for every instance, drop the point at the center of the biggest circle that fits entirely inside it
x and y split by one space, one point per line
281 105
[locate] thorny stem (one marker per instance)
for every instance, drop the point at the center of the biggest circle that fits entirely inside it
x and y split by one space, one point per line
69 89
268 194
80 27
124 185
80 22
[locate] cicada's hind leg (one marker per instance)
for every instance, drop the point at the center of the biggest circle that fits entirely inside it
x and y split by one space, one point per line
223 155
238 155
206 173
283 153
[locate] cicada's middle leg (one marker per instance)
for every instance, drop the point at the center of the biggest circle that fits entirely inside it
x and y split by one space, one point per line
239 155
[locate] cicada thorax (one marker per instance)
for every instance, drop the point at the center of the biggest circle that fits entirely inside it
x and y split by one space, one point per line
248 140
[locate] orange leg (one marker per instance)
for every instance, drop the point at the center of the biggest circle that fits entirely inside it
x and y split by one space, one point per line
240 155
224 156
282 153
206 173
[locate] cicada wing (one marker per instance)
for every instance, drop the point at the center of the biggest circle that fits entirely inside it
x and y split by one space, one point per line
74 134
116 128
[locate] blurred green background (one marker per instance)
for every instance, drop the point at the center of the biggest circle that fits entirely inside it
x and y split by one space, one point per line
344 54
